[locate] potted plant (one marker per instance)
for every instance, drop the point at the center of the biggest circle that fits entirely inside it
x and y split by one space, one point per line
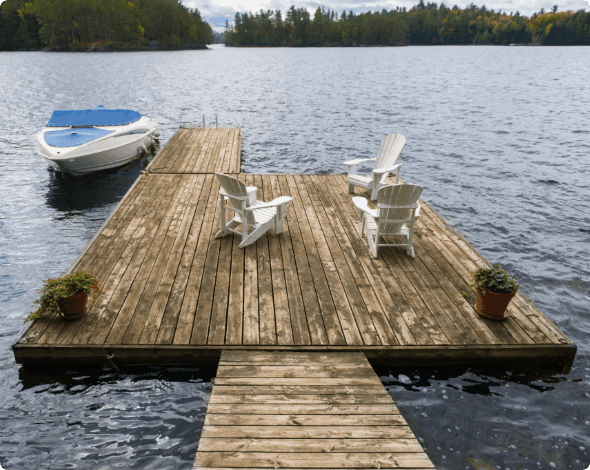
494 289
67 294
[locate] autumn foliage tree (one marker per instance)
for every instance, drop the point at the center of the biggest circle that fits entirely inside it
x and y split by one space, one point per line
564 28
425 23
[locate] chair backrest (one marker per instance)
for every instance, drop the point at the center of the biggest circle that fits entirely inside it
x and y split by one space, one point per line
390 151
395 195
236 192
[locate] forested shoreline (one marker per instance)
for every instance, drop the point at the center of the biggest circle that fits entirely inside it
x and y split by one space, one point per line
423 24
87 25
82 25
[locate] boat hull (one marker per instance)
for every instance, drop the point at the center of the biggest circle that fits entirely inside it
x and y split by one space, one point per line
123 145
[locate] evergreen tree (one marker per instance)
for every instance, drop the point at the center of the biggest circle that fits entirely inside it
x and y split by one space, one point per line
19 28
114 24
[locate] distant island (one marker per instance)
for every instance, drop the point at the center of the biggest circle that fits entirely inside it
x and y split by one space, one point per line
101 25
109 25
423 24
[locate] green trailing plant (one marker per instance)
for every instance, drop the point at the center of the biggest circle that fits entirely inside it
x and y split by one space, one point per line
493 279
62 287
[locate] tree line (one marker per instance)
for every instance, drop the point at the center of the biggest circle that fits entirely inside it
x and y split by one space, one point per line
424 24
101 25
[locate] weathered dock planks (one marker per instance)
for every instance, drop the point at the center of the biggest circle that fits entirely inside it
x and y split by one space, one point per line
200 150
303 410
171 292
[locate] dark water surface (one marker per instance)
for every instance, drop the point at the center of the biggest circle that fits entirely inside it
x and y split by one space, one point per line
499 137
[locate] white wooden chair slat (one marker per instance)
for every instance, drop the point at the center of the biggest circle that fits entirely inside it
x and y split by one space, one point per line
397 207
240 200
388 158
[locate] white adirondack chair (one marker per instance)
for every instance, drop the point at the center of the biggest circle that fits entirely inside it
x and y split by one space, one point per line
389 159
259 216
397 206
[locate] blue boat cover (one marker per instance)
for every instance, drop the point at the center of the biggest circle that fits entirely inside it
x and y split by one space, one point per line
74 137
99 116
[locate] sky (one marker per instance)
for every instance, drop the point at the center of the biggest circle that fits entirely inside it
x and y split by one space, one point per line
216 11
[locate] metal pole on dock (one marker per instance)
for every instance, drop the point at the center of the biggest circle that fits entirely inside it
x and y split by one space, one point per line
203 120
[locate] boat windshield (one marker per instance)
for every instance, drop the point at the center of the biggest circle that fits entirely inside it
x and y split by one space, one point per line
93 117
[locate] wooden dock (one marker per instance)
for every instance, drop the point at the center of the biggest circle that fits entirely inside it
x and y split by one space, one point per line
200 150
303 410
172 293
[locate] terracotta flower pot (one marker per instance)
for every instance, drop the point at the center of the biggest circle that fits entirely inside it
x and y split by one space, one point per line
74 306
493 305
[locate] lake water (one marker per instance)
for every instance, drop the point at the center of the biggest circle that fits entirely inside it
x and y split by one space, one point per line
499 138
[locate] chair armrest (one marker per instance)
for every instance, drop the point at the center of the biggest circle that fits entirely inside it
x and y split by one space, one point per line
251 191
351 164
363 206
250 194
380 171
360 160
279 201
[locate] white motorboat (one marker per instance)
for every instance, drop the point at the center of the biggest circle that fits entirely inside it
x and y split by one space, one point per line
84 141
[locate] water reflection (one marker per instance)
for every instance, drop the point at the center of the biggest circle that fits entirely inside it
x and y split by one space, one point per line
485 419
75 380
140 417
71 196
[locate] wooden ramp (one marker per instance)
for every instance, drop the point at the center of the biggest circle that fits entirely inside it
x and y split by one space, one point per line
303 410
173 293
